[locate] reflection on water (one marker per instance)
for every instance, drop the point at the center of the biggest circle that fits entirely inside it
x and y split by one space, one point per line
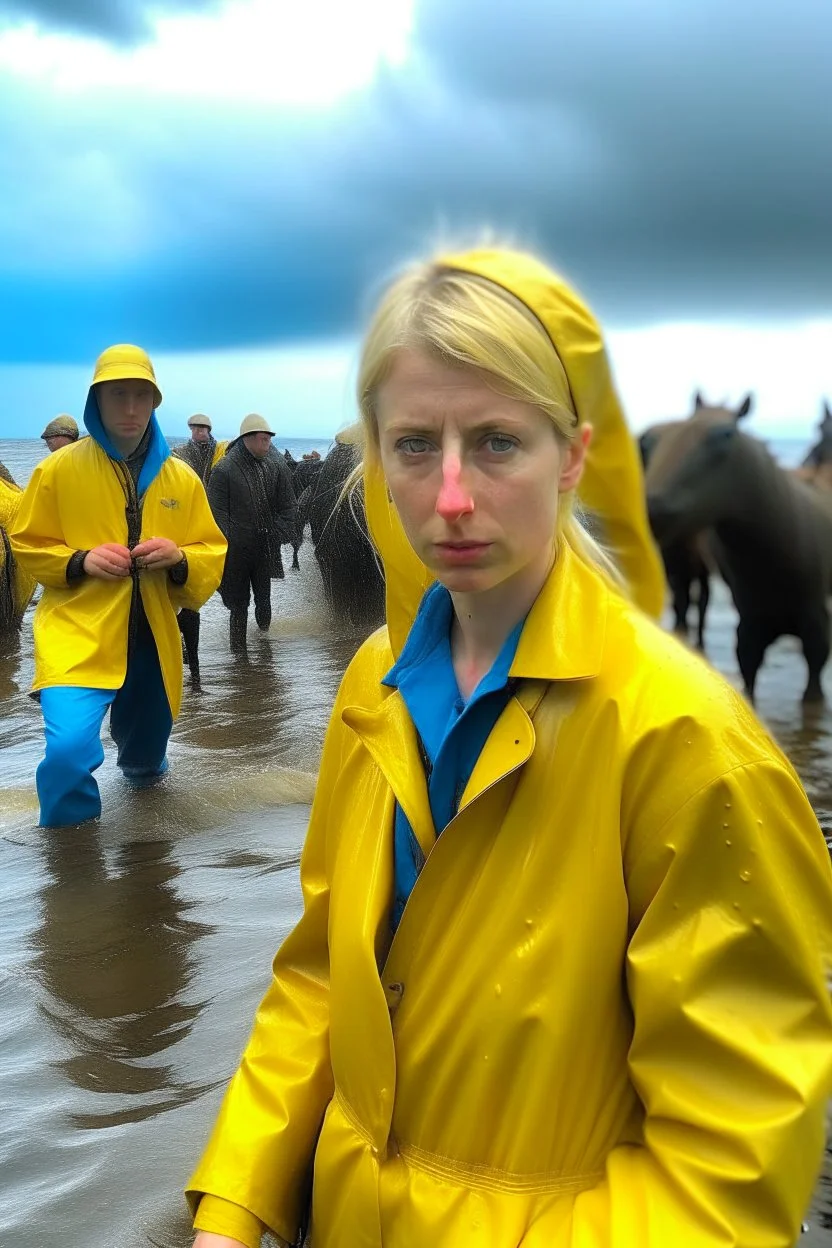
132 954
113 958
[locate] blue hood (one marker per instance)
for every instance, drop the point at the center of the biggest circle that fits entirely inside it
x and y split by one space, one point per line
157 450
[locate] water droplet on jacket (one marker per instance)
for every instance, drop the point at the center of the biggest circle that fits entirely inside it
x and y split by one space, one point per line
529 922
757 924
498 990
727 805
726 825
736 905
745 876
728 843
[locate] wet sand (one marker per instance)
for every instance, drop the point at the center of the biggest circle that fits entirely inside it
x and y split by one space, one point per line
132 955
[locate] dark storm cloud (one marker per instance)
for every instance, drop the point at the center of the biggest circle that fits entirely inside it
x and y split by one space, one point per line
707 124
121 21
674 163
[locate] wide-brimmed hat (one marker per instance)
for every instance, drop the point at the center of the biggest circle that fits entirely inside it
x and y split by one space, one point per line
124 362
255 424
194 422
62 426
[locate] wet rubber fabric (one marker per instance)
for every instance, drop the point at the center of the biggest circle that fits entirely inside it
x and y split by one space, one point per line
77 499
140 725
603 1020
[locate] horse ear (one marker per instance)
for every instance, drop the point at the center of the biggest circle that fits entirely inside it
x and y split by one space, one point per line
698 401
744 407
827 411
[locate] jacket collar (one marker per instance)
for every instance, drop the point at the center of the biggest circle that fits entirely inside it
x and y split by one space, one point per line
563 637
562 640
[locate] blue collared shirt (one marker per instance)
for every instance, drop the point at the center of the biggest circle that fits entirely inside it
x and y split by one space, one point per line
452 730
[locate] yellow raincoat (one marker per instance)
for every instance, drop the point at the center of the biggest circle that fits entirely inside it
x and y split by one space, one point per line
22 585
75 501
604 1019
219 451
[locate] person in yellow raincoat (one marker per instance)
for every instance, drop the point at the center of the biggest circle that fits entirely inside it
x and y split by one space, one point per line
560 979
121 536
16 588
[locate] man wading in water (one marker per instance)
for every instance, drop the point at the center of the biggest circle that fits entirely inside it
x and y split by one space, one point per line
121 537
251 496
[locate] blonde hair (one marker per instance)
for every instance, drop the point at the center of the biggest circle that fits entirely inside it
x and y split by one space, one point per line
468 320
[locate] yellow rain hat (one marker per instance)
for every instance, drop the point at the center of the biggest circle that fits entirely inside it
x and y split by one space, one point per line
125 362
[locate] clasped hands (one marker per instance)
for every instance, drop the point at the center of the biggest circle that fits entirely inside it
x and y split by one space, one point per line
112 561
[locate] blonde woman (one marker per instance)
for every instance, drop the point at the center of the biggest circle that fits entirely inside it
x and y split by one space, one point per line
560 979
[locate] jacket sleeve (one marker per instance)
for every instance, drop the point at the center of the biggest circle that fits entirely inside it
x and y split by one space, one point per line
223 1218
204 548
10 499
732 1046
219 496
36 533
262 1145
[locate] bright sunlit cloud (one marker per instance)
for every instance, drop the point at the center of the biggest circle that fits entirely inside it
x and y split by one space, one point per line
280 52
785 366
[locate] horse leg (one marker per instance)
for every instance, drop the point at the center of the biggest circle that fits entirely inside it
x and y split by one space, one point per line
704 600
679 582
295 549
815 641
751 646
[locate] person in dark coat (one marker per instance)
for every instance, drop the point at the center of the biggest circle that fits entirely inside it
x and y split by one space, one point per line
203 452
305 473
251 496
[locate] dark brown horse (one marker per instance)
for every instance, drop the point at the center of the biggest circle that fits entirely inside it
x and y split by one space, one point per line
685 560
771 533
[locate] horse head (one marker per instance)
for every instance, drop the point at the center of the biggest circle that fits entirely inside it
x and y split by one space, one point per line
691 468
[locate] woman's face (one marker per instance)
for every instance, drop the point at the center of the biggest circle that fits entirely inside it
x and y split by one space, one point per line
474 476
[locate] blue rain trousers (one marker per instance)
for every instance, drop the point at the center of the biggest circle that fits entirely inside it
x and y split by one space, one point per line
140 725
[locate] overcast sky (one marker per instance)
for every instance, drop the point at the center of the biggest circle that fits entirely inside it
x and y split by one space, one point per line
227 181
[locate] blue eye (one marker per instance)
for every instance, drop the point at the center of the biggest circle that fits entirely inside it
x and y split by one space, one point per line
500 444
413 446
